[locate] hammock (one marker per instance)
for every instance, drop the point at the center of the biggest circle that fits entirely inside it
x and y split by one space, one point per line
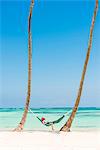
51 122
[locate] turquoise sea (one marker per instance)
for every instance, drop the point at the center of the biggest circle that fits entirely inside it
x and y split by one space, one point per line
86 118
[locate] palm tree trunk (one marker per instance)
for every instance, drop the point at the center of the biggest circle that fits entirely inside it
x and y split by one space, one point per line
68 124
23 120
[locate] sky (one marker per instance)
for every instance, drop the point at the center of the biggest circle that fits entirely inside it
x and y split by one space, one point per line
60 32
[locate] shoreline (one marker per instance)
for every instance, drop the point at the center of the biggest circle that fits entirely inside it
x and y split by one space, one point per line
48 130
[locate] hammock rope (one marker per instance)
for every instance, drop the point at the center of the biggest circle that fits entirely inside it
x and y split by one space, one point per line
51 122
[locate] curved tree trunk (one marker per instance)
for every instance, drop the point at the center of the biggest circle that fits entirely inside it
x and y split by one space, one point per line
68 124
22 122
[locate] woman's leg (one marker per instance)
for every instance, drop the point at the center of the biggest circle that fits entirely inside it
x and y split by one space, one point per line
52 127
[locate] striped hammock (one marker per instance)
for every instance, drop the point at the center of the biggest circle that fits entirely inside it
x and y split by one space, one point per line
51 122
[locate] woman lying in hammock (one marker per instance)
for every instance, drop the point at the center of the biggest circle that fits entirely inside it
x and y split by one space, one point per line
51 123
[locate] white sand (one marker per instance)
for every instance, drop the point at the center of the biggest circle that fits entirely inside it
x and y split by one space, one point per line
37 140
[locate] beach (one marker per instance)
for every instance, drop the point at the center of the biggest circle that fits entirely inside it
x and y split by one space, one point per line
84 135
39 140
48 85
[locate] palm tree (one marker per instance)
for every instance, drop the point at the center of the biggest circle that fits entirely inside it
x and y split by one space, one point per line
68 124
23 120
